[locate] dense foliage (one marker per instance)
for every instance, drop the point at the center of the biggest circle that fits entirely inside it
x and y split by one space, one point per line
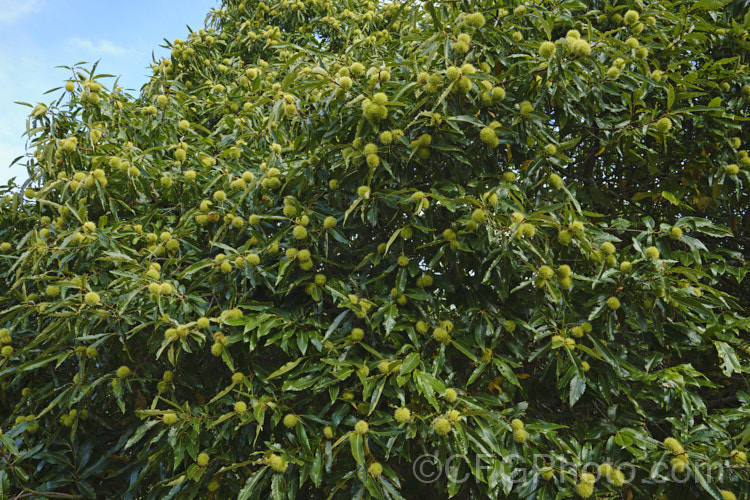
330 236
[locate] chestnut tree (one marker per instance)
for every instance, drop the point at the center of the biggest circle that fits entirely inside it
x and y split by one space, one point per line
329 238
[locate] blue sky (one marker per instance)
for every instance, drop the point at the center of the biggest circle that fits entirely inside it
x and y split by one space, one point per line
37 35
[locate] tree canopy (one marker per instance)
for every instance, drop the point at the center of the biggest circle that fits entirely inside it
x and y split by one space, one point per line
329 238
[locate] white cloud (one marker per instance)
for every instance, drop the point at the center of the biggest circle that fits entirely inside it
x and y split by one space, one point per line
12 10
100 48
